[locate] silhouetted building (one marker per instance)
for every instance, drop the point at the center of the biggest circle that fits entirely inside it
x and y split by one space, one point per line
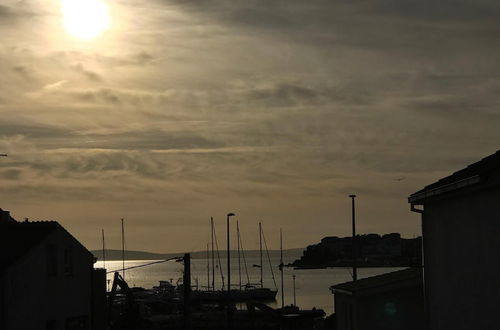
392 301
461 242
373 251
47 280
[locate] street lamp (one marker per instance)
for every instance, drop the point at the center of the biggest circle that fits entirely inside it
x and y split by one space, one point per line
354 245
229 311
228 255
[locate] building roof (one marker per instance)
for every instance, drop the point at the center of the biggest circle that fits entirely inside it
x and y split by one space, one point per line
470 175
17 238
385 282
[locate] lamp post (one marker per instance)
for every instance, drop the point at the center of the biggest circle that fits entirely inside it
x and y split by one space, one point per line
354 245
229 311
228 255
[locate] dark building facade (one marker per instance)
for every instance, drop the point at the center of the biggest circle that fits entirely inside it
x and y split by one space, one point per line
47 279
461 242
392 301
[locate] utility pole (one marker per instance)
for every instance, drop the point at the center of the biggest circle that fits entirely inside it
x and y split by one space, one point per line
354 243
260 250
239 259
187 291
294 297
123 251
281 270
103 250
213 253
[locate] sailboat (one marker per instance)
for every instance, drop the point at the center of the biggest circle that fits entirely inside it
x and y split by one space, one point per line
250 291
244 292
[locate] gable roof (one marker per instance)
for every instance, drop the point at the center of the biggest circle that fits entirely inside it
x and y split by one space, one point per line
470 175
385 282
17 238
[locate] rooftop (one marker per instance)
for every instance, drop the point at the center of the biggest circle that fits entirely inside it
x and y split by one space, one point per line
470 175
17 238
397 279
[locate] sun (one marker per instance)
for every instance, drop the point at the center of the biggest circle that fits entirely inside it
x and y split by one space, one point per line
85 19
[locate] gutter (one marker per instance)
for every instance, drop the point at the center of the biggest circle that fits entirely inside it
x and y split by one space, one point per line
443 189
334 290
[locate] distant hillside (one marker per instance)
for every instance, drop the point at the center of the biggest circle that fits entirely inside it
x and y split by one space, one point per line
289 254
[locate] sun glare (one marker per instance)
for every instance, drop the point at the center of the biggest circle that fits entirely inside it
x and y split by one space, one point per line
85 19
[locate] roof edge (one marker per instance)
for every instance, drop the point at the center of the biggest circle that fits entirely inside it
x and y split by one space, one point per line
425 194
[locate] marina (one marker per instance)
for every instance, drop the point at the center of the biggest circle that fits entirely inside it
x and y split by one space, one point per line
312 285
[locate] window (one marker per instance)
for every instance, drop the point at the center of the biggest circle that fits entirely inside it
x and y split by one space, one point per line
68 261
51 260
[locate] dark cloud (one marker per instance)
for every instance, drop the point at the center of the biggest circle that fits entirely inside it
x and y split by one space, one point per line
132 59
23 70
91 75
10 174
33 131
426 27
9 15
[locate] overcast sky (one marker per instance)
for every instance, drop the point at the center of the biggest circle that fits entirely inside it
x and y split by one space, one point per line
274 110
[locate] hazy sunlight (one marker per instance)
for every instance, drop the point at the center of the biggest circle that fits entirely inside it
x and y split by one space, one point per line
85 19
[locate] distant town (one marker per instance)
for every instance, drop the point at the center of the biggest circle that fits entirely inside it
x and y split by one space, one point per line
373 250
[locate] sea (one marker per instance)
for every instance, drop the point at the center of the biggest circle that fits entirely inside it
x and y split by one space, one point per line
312 286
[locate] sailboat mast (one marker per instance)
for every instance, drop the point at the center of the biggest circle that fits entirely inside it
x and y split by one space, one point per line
260 249
239 259
123 251
103 251
208 268
281 270
213 253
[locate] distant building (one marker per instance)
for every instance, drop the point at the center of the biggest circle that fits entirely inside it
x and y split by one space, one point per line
392 301
461 240
373 251
47 279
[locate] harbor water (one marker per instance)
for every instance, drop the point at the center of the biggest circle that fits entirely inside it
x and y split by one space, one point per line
311 285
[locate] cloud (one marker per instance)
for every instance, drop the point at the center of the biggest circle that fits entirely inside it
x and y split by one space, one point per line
55 86
276 108
11 14
91 75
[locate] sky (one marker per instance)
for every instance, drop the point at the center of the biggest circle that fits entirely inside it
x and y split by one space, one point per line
180 110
